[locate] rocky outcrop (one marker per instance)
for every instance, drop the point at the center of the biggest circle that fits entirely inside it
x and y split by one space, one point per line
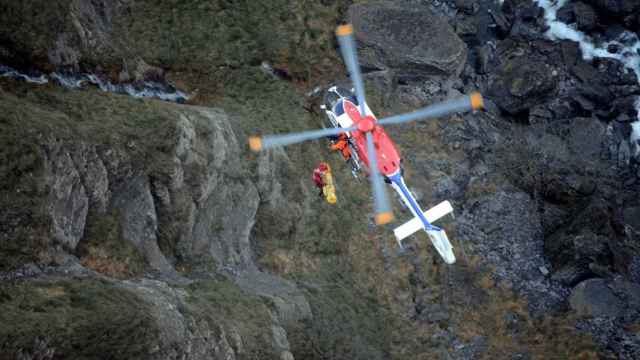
117 207
522 82
413 41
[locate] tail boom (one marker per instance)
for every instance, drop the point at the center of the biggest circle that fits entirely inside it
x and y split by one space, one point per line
423 220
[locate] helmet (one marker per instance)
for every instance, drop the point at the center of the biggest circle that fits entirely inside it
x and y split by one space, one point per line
323 166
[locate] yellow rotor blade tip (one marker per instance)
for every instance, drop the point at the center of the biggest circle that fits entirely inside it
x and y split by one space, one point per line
476 101
255 143
384 218
343 30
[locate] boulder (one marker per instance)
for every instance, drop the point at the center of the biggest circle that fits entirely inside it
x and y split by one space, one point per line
615 8
593 298
411 40
521 83
586 17
566 14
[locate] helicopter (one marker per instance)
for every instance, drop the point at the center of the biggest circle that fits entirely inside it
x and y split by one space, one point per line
373 150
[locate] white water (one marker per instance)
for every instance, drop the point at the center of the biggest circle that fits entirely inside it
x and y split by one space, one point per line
6 71
627 42
147 89
635 133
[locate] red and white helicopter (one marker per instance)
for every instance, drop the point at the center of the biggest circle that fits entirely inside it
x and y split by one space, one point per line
373 148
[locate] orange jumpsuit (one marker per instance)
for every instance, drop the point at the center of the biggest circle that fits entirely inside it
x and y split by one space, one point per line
342 145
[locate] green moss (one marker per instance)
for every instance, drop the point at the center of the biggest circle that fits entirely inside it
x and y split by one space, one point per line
81 319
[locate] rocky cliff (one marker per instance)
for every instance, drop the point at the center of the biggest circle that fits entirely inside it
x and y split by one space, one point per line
138 228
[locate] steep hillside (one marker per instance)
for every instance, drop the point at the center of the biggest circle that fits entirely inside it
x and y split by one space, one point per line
139 228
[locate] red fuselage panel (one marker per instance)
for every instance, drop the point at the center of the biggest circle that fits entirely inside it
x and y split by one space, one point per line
388 155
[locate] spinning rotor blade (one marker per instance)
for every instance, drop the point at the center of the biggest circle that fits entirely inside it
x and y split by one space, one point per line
348 50
380 200
471 102
257 143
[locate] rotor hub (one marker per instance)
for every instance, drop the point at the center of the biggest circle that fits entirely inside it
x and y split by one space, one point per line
367 124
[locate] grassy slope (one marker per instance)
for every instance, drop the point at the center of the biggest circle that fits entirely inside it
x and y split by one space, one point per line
81 319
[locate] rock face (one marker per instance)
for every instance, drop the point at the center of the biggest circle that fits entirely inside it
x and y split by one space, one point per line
120 208
68 199
414 41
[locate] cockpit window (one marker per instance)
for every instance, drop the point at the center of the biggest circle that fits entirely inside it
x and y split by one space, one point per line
339 108
336 98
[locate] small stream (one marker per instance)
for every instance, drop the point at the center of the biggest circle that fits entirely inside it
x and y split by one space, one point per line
146 89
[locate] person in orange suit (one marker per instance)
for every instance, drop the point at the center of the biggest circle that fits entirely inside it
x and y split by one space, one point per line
342 145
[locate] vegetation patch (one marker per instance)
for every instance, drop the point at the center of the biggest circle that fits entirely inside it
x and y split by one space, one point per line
348 323
79 319
103 249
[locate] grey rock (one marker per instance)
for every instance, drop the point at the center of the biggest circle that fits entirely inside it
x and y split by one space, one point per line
288 301
474 349
566 14
41 350
586 17
521 83
543 270
280 338
134 203
94 176
433 313
68 201
183 336
62 53
632 216
572 274
206 202
391 36
593 298
615 7
505 228
276 203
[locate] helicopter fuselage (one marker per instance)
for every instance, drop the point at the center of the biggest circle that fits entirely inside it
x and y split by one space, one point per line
347 114
388 155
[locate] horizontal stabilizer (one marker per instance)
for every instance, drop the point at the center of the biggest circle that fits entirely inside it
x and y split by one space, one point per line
415 224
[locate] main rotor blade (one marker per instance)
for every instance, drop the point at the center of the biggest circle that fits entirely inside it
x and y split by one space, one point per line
348 50
257 143
381 202
467 103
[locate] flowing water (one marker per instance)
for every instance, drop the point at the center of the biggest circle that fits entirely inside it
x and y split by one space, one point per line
624 48
147 89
